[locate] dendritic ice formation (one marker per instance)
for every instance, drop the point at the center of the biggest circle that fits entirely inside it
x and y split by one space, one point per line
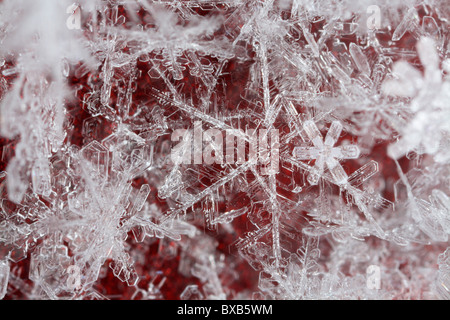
318 137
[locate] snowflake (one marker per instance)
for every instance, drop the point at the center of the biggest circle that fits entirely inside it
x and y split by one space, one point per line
429 126
324 152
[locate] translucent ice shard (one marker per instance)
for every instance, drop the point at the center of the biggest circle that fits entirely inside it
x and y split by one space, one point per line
98 159
434 215
408 23
336 170
41 178
360 59
4 278
140 199
313 133
333 133
363 173
229 216
443 285
191 292
442 282
346 152
306 153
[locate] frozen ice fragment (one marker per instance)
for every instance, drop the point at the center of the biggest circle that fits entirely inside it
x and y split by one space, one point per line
333 133
313 133
191 292
337 172
4 278
359 58
306 153
346 152
40 176
98 157
407 24
364 173
443 285
139 201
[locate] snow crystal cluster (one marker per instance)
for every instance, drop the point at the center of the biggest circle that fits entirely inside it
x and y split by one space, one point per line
224 149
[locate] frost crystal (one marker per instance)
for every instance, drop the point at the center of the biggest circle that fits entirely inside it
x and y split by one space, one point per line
209 149
324 153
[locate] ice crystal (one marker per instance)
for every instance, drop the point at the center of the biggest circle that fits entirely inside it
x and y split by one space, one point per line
324 153
209 149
